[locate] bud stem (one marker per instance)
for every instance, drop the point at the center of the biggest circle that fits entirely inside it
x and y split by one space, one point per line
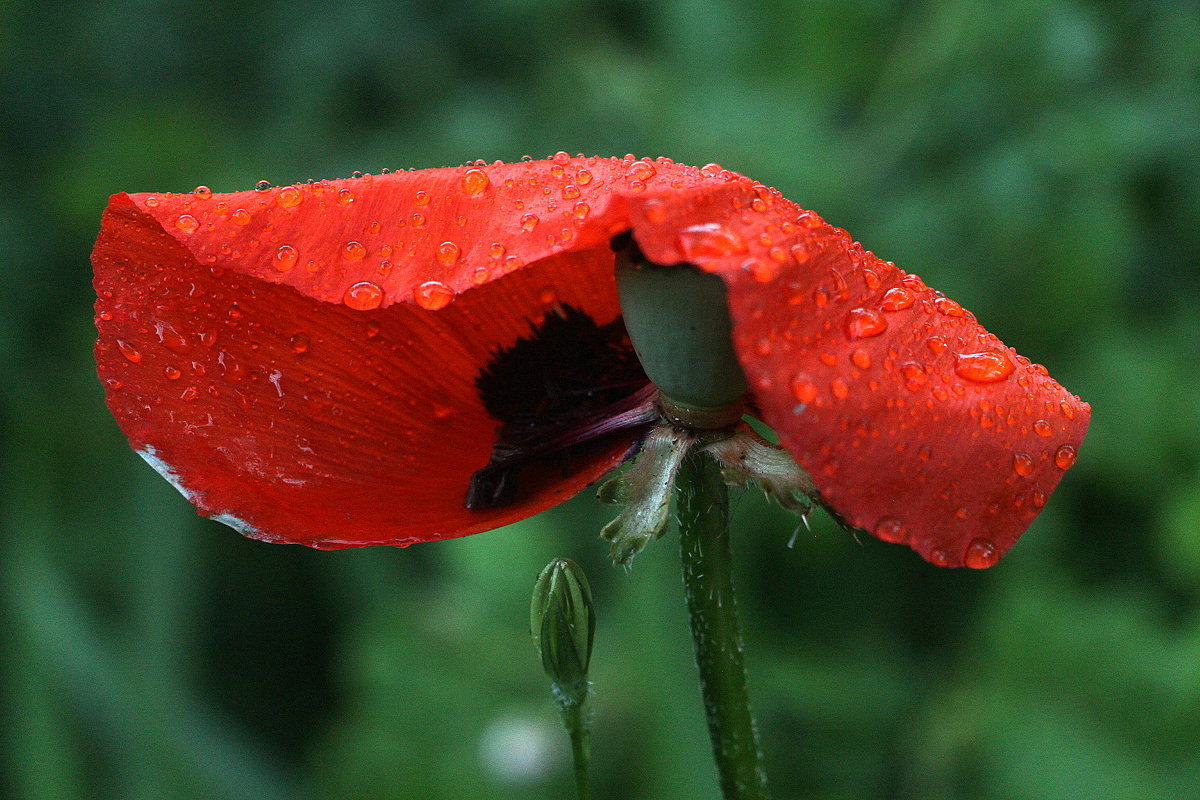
702 505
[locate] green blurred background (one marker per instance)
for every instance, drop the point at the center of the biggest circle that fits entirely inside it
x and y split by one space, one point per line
1037 161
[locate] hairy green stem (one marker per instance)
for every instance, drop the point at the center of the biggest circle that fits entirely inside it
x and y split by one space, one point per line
702 505
581 746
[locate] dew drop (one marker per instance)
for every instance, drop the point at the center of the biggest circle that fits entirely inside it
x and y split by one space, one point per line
1067 409
640 171
562 157
285 258
939 557
480 275
860 359
988 366
529 222
1023 464
948 307
289 197
897 298
240 216
131 353
862 323
1065 456
889 529
354 251
172 373
871 279
1042 428
202 193
187 223
914 375
803 387
496 251
363 296
839 388
936 344
447 252
981 554
710 240
262 186
583 177
581 210
418 220
345 196
114 385
570 192
189 394
475 181
300 342
433 295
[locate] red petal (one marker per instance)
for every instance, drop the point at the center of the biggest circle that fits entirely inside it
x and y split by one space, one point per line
296 420
223 290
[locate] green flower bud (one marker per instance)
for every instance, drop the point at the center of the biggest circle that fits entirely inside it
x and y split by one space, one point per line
562 621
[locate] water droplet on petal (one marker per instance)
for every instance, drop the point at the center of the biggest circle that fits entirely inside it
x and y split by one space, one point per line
889 529
240 216
285 258
187 223
948 307
570 192
447 252
860 359
803 387
172 373
202 193
1042 428
529 222
709 240
583 177
1065 456
936 344
1023 464
640 171
871 279
262 186
475 181
914 375
480 275
189 394
363 296
354 251
864 322
839 388
345 196
300 342
562 157
897 298
433 295
939 557
981 554
289 197
131 353
988 366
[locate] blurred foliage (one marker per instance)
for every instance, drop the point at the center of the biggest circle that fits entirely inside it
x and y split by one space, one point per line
1038 161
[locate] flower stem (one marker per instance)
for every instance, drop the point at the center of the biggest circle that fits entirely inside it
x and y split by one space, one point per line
581 750
702 505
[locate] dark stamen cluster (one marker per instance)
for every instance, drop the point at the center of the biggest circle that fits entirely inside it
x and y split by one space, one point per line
557 393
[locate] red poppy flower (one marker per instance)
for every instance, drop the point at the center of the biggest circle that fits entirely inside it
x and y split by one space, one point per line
331 363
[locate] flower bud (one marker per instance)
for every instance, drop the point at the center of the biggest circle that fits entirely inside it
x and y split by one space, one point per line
562 621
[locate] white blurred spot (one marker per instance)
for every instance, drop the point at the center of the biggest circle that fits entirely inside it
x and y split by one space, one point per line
518 749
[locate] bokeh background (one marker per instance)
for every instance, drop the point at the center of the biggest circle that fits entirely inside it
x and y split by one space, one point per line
1038 161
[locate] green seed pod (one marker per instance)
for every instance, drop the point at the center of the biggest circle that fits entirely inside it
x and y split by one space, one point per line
562 620
678 321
